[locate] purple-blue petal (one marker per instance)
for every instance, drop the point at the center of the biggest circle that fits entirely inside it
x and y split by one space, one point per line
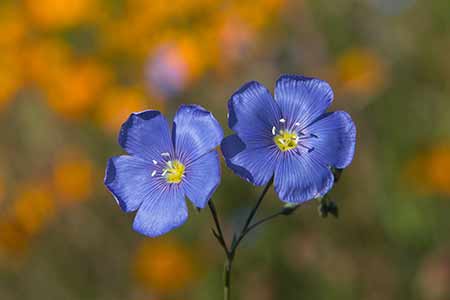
195 132
202 177
163 210
146 134
253 162
253 111
334 138
128 178
302 99
299 178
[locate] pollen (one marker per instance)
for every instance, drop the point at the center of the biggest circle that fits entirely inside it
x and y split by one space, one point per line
286 140
174 171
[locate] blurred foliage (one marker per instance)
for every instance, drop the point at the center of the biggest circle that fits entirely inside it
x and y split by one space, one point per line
72 71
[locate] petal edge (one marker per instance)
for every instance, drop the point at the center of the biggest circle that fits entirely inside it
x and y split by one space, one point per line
195 132
302 99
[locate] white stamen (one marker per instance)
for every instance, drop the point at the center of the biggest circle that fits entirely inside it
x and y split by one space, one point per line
169 164
228 115
297 124
166 154
153 173
155 162
273 130
164 172
282 121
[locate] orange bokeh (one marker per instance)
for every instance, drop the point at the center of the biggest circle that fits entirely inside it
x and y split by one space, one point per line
164 266
11 77
55 14
360 71
429 172
119 103
34 207
73 90
13 240
73 177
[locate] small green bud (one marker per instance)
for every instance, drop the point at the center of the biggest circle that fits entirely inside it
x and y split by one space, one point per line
337 174
289 208
328 207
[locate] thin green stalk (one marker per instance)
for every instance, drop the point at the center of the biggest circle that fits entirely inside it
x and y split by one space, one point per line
230 252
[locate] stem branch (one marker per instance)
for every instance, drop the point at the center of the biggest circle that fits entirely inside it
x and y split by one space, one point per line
218 233
250 217
230 252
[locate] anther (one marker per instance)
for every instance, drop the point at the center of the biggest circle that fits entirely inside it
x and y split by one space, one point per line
310 149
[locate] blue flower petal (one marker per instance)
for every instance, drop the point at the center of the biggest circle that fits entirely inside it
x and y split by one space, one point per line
146 134
163 210
195 132
334 138
202 178
302 99
299 178
253 111
250 161
253 114
128 179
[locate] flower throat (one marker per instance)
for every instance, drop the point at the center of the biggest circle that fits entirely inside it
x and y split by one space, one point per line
174 171
286 140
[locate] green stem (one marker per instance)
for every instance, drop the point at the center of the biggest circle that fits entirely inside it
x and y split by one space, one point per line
227 279
241 236
230 252
218 233
264 220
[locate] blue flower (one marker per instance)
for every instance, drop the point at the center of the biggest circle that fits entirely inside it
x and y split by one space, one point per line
291 137
162 168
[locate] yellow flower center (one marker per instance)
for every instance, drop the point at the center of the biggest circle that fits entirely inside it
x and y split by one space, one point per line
286 140
174 171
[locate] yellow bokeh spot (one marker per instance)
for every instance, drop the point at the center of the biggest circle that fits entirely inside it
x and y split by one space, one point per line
45 59
117 104
164 266
30 213
428 172
174 171
11 77
73 175
286 140
13 240
75 89
34 207
13 25
55 14
267 11
360 71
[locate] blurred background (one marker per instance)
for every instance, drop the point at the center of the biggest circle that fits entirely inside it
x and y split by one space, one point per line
72 71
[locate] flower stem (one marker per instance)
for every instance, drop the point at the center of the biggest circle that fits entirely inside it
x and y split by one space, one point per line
227 279
264 220
230 252
250 217
218 233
